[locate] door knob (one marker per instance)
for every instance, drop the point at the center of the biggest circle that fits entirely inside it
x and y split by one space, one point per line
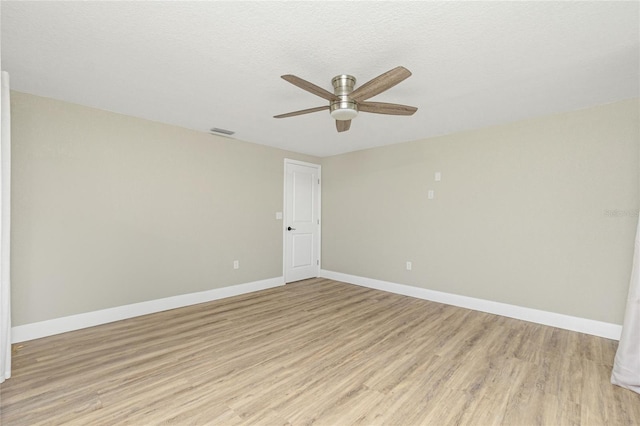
290 229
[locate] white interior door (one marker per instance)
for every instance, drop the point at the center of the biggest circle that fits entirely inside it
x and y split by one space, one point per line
301 220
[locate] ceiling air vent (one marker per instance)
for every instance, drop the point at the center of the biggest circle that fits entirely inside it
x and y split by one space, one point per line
224 132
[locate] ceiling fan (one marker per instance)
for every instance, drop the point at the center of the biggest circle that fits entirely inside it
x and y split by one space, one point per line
345 102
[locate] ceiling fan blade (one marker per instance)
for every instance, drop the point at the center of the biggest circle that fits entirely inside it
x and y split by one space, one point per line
302 111
310 87
385 108
380 84
343 125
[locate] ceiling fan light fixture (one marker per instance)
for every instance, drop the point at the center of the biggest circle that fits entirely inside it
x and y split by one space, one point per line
344 110
345 102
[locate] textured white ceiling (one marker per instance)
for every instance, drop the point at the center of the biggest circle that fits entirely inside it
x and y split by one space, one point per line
218 64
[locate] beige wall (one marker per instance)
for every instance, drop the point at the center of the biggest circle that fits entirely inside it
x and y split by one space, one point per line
540 213
109 210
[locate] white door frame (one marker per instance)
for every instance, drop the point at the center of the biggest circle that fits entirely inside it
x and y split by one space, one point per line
288 161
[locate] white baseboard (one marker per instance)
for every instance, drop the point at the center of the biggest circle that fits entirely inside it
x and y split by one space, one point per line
40 329
582 325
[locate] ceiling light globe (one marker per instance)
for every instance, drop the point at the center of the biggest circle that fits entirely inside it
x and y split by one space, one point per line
344 110
344 114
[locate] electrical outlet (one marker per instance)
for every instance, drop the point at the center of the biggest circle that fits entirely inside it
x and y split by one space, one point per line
438 177
430 194
236 264
409 266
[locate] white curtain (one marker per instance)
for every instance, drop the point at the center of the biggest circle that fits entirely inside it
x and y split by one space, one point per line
5 212
626 367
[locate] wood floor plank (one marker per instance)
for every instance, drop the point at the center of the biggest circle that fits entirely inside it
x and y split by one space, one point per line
322 352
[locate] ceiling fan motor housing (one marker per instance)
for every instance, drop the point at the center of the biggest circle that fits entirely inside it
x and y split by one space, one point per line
345 108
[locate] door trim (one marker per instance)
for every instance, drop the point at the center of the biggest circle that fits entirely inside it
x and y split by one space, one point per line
288 161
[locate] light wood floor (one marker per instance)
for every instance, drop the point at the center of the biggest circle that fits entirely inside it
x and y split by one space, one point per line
322 352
